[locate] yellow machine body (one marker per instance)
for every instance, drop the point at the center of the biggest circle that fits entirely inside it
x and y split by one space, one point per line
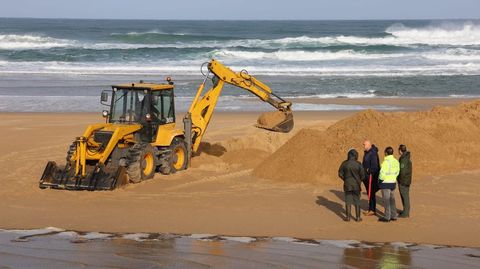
140 136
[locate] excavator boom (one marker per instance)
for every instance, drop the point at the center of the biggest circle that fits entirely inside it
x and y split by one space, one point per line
204 103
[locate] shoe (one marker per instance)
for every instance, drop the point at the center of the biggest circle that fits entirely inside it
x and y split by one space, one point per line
383 220
403 216
393 219
369 213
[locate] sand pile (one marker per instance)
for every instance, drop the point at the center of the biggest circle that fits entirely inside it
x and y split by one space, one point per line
245 151
443 140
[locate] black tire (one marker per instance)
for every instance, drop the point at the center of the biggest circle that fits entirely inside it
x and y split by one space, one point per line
141 162
176 158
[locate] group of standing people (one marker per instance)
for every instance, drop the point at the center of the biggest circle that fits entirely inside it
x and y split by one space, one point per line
375 177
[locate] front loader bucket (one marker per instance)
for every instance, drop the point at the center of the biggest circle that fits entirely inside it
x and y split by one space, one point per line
97 178
277 121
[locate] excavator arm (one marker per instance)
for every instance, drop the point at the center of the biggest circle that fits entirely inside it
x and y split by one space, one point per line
198 117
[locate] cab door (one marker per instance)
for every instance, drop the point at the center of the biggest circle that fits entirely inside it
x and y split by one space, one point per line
163 109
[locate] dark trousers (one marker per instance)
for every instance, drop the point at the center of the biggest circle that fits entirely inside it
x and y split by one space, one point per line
405 195
352 198
372 203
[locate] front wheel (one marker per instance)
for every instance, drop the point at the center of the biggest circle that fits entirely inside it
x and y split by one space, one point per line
177 157
141 162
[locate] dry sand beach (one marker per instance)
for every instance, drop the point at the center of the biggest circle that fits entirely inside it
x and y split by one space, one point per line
249 182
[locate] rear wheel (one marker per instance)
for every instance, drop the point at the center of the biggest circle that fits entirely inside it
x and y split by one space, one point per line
141 160
176 159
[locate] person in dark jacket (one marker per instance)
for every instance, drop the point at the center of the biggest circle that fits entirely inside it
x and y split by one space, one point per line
404 180
351 172
371 164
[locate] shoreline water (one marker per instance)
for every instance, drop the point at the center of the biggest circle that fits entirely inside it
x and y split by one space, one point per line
244 105
58 248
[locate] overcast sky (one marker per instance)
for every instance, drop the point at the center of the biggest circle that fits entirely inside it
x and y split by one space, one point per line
242 9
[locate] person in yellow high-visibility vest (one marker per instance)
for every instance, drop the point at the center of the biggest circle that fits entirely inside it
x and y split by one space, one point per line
387 182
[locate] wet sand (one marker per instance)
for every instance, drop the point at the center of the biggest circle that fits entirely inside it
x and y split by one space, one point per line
68 249
218 194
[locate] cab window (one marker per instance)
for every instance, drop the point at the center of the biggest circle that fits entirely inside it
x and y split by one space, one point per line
163 106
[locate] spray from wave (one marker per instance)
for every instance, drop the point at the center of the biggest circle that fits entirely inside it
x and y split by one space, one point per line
467 33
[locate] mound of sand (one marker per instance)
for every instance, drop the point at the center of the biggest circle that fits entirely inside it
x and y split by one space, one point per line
244 151
442 140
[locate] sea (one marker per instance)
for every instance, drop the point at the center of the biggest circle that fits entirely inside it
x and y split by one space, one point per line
62 65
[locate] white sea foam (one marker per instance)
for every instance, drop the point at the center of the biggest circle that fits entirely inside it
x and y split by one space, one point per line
136 236
241 239
33 232
67 235
192 68
147 33
452 55
467 33
201 236
96 235
285 239
335 107
25 42
449 34
340 243
300 55
368 94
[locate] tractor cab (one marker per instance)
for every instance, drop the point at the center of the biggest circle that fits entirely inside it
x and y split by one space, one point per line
148 104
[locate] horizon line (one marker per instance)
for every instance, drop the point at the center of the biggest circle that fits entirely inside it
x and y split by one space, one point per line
166 19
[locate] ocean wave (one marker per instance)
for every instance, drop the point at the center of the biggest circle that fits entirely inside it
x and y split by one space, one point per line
447 34
192 68
23 42
158 37
464 34
300 55
453 55
90 104
154 32
445 55
368 94
467 33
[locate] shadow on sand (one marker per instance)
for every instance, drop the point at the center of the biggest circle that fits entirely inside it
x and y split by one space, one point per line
339 208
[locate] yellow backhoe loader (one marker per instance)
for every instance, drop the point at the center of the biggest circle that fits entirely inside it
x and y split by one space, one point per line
140 137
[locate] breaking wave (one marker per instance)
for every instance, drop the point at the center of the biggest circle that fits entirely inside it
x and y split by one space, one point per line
446 34
400 50
192 68
23 42
300 55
